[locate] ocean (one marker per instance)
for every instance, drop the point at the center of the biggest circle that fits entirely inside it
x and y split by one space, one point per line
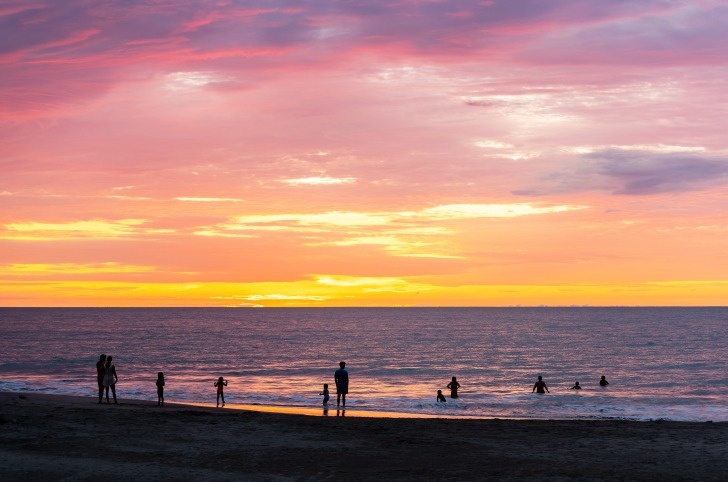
661 363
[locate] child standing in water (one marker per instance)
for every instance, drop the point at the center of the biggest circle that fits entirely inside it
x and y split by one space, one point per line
160 389
325 393
219 384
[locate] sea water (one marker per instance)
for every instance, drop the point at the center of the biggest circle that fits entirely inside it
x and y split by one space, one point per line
661 363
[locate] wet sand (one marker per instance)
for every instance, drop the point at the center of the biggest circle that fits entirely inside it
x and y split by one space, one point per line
48 437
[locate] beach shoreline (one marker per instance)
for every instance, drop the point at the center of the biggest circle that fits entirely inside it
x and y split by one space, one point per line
54 437
331 410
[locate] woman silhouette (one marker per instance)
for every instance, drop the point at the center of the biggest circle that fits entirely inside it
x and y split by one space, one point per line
453 386
110 378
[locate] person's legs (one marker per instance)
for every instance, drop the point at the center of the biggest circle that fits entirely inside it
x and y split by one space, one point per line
343 400
113 390
101 391
107 394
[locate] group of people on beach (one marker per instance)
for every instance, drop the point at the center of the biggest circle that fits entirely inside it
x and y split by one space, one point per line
341 381
106 377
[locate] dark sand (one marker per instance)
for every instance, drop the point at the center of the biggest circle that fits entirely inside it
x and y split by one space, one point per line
46 437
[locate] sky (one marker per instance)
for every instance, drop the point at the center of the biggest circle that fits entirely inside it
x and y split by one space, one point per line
354 153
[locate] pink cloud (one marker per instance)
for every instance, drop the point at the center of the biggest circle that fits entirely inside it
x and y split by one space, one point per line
106 40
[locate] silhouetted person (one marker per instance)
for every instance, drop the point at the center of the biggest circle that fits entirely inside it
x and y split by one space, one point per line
440 397
219 384
539 386
453 386
100 375
110 378
576 386
160 389
603 382
325 393
341 379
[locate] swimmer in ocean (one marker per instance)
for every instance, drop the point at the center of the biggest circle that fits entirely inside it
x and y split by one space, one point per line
453 386
540 386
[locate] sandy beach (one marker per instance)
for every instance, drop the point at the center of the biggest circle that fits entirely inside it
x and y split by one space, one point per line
49 437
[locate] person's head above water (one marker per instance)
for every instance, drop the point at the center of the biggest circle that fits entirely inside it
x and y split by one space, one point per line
454 379
219 380
342 364
540 377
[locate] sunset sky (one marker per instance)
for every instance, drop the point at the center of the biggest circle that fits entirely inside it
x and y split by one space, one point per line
354 153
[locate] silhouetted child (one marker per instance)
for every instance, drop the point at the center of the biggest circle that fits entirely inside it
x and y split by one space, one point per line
576 386
440 397
453 386
160 389
603 382
325 393
220 395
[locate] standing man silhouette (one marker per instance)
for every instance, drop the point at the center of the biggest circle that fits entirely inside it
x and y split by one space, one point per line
341 378
539 386
100 370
